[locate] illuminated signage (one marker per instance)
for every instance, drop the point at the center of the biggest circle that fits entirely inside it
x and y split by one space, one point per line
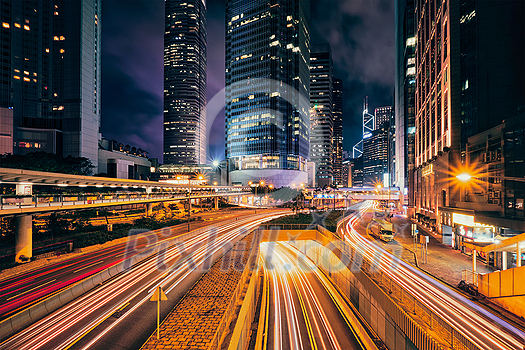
462 219
429 169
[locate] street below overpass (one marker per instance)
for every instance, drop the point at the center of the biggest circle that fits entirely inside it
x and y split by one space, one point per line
118 313
302 312
25 289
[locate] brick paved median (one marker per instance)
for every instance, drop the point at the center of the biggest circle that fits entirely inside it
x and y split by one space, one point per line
193 322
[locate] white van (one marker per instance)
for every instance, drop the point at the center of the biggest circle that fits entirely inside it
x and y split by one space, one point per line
380 229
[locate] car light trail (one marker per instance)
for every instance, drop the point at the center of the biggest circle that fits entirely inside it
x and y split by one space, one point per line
67 325
310 319
481 327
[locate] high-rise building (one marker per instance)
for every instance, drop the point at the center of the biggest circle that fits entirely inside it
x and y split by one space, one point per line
267 91
382 115
185 82
51 75
469 77
375 156
405 89
355 172
337 112
321 113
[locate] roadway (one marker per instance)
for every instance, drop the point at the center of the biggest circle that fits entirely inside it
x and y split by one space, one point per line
481 327
118 314
302 313
25 289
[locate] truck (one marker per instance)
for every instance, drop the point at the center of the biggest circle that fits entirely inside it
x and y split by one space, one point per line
380 229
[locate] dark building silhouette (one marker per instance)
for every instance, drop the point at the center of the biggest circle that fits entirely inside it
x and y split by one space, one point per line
50 77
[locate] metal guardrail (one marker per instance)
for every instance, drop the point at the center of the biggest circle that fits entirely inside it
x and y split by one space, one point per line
36 201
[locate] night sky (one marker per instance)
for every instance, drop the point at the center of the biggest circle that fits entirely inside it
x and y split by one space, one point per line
360 32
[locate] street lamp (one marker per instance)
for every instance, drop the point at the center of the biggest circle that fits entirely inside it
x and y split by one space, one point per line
464 177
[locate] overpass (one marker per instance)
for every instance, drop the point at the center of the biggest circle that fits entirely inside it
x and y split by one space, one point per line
24 204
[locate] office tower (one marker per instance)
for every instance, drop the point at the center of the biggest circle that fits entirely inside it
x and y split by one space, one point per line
392 152
321 116
369 125
375 156
267 91
356 172
384 118
185 82
469 77
405 89
382 115
337 112
51 75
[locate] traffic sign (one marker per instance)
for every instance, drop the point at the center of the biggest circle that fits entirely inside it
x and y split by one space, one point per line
155 296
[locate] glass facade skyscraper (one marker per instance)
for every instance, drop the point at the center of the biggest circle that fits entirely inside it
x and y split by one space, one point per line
405 90
185 82
321 116
51 75
267 91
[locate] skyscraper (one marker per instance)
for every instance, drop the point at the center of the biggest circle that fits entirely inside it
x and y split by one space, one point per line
469 77
321 115
267 91
337 112
405 89
185 82
51 76
384 120
375 156
382 115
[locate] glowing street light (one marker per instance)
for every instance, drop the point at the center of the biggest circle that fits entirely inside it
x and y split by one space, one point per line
464 177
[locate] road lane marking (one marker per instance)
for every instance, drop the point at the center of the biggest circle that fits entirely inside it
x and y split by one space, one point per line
16 296
85 267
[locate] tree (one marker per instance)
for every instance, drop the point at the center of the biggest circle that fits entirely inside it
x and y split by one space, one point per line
49 162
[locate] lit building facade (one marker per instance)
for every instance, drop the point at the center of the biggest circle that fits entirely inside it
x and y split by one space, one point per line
321 113
382 115
267 91
185 82
51 75
405 110
375 156
469 77
337 112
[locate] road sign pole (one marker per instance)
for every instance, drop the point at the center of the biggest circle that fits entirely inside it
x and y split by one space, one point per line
157 296
158 315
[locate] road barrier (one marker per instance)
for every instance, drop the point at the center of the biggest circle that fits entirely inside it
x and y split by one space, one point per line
241 333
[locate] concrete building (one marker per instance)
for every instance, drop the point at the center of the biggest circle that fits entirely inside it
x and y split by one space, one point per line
491 198
267 91
51 75
469 76
405 110
321 113
185 82
6 131
122 163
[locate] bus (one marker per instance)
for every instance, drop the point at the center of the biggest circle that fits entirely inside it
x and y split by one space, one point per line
380 229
